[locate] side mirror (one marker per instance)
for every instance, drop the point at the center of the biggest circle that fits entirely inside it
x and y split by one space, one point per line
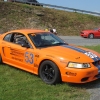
25 45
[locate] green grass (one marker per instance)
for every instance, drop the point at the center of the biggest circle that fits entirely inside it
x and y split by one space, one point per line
96 48
16 84
20 85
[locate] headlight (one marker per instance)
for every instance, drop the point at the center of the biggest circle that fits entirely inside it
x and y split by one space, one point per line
78 65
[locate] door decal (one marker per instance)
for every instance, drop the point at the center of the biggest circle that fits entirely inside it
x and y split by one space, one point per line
29 57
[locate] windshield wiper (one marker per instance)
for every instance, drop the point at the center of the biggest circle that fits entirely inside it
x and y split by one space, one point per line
57 44
45 45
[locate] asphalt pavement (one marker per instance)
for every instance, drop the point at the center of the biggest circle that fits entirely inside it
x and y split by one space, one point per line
77 40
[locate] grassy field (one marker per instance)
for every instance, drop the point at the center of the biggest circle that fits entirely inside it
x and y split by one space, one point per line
16 84
19 85
16 16
96 48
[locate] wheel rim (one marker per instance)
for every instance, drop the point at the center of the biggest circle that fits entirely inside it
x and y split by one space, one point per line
48 73
91 36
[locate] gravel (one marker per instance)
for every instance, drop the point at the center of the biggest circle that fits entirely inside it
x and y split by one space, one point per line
93 87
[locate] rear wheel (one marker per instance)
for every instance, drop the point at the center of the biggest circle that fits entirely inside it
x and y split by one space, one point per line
91 36
49 72
0 59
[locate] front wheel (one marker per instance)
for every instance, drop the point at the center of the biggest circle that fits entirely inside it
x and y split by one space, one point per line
49 72
91 36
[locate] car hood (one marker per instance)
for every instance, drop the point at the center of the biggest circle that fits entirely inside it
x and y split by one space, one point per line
71 53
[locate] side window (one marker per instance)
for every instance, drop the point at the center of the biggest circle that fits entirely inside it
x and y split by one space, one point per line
21 39
8 37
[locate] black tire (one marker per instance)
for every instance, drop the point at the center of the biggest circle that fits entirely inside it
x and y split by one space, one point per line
49 73
0 59
91 36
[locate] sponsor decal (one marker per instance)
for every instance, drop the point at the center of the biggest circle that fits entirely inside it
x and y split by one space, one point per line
16 52
18 59
37 55
35 65
90 54
71 73
91 72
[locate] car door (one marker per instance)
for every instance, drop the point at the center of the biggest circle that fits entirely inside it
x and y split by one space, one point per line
18 55
22 57
97 33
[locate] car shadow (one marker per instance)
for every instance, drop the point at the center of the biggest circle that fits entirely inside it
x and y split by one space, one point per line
90 85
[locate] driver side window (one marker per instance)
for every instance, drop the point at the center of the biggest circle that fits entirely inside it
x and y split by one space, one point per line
21 39
18 38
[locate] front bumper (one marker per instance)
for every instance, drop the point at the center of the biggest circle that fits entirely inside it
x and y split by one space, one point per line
84 35
73 75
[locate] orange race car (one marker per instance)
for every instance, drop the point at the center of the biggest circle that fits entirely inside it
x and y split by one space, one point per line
45 54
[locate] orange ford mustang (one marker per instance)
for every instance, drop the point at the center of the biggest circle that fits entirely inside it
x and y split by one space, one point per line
45 54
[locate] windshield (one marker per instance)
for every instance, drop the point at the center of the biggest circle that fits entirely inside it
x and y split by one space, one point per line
45 39
96 29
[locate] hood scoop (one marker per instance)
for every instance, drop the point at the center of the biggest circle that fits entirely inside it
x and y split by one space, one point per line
77 57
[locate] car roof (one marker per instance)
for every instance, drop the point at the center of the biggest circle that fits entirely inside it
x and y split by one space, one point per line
27 31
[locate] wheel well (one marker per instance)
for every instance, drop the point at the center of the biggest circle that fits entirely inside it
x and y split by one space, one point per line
43 61
90 33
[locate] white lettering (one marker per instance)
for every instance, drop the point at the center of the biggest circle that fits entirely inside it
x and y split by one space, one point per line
90 54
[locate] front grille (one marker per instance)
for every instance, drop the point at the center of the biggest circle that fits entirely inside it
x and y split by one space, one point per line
97 63
98 76
82 33
84 79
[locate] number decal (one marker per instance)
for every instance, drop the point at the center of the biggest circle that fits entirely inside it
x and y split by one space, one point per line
29 57
26 57
90 54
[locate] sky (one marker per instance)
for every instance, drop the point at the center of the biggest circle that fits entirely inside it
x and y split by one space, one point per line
88 5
